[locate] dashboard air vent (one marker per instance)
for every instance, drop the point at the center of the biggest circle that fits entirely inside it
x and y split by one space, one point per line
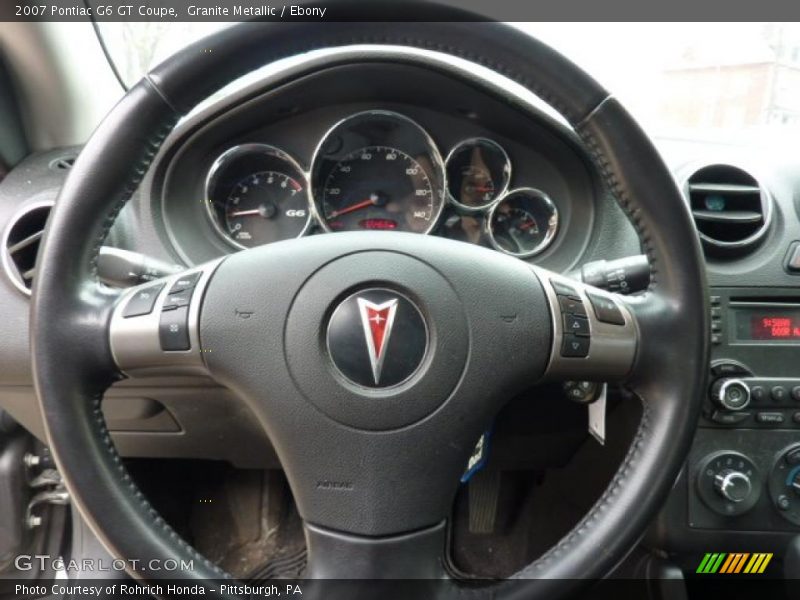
21 245
62 164
731 210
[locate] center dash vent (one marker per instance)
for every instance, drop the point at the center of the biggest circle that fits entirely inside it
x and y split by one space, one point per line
731 210
21 244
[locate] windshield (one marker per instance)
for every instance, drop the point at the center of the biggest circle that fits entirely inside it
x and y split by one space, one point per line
698 81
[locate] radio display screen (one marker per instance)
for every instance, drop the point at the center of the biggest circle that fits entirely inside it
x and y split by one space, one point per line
768 324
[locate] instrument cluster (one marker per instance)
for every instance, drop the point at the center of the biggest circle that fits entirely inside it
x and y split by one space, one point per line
378 170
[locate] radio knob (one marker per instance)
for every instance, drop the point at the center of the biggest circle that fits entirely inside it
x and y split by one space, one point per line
733 485
731 394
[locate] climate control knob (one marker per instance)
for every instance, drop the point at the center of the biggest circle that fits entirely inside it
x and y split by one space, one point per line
731 394
733 485
728 483
784 484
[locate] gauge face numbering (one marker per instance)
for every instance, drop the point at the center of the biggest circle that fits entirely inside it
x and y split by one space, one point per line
256 195
378 188
378 171
478 172
523 223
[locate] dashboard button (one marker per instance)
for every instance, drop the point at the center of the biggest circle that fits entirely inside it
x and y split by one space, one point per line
606 309
177 300
758 394
729 418
779 393
572 305
576 325
770 418
796 417
563 289
185 282
726 369
575 346
143 301
173 329
796 393
580 391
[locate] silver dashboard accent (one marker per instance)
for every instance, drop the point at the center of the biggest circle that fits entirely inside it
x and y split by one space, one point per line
552 228
10 269
135 343
314 175
767 203
500 193
612 348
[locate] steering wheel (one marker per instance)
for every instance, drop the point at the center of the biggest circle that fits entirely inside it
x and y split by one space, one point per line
373 361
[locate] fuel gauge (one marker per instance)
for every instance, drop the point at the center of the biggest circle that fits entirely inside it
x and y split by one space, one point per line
523 223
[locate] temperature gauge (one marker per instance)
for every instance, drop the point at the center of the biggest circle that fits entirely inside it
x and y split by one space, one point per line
523 223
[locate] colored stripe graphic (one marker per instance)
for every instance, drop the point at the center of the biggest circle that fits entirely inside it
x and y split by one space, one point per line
767 558
740 562
728 562
703 563
735 562
711 562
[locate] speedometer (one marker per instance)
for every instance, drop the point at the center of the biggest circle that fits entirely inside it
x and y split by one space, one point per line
378 187
378 170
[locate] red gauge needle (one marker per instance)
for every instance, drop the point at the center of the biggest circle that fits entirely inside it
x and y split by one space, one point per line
246 213
371 201
482 188
527 225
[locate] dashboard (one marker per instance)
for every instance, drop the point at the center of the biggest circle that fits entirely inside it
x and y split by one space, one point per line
461 162
407 143
378 170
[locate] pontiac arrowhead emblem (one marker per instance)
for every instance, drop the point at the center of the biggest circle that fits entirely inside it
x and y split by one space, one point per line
377 338
377 321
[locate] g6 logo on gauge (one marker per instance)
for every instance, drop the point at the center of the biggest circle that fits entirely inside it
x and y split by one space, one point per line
257 194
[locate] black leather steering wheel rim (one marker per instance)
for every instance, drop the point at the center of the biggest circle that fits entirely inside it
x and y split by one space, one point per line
71 311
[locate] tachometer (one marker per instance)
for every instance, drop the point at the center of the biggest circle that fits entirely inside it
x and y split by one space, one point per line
378 171
257 194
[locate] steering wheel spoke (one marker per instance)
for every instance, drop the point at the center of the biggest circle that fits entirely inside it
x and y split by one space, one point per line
154 326
595 334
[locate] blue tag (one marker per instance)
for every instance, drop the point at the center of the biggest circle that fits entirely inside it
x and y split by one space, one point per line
479 456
